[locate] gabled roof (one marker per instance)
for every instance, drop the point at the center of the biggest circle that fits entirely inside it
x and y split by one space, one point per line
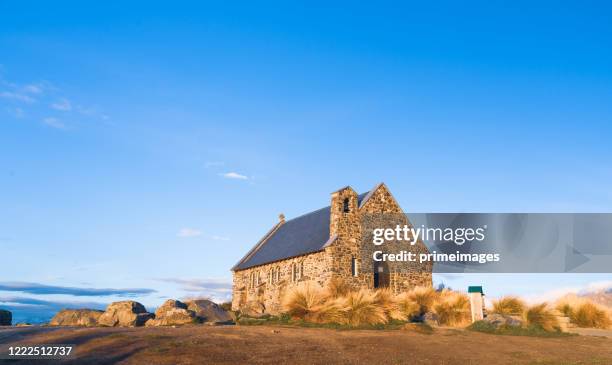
299 236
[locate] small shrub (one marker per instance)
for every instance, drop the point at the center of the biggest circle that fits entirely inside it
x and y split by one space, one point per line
387 301
452 308
590 315
408 306
509 306
425 297
303 301
541 316
336 288
328 311
361 309
584 313
565 309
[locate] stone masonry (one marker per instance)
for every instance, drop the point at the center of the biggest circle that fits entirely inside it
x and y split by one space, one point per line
260 289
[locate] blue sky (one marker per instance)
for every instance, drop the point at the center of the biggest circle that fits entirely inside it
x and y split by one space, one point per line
148 146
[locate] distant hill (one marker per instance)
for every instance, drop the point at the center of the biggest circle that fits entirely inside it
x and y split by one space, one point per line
603 297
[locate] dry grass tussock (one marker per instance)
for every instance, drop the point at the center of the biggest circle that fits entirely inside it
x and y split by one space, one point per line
541 315
337 304
509 305
585 313
304 301
424 296
452 308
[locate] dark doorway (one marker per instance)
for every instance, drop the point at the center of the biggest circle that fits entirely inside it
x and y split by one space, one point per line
381 274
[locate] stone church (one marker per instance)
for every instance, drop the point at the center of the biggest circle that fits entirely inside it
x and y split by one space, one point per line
318 247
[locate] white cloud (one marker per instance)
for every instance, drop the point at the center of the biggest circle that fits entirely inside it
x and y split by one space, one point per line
189 232
17 96
33 89
54 122
217 289
220 238
63 105
234 175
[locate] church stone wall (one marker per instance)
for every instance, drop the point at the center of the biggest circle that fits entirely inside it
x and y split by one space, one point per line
256 292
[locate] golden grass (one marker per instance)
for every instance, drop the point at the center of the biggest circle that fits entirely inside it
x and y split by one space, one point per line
388 302
424 297
336 288
584 313
452 308
590 315
509 305
303 301
542 316
361 308
332 310
409 307
336 304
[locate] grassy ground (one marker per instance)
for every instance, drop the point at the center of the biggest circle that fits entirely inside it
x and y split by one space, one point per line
279 344
532 331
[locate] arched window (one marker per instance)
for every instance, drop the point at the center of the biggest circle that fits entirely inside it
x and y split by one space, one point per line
345 205
294 272
271 276
278 274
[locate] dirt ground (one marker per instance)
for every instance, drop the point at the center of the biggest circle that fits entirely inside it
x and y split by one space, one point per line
291 345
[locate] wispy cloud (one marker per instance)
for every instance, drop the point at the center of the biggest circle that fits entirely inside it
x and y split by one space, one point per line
54 123
62 105
33 88
24 301
234 175
36 288
188 232
220 238
214 288
17 96
42 97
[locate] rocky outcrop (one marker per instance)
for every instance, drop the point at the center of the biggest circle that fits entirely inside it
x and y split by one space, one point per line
499 320
171 313
6 318
209 312
76 317
125 314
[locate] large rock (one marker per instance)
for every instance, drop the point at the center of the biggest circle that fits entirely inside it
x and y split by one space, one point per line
499 320
208 311
171 313
6 318
76 317
429 318
125 314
